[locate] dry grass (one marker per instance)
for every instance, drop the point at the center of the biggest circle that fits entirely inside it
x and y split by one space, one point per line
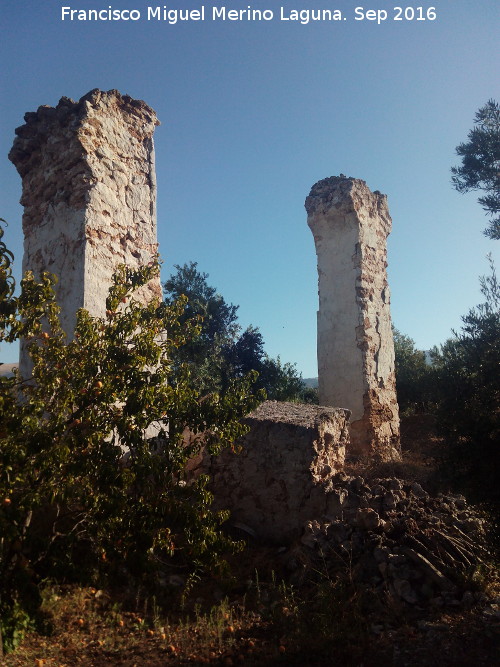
421 450
89 627
332 627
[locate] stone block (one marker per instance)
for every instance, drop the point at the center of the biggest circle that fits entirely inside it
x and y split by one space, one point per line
277 480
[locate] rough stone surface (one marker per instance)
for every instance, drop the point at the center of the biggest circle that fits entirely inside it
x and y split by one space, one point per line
355 344
89 195
277 480
396 540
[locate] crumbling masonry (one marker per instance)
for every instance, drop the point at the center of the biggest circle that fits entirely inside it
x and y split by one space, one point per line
89 195
89 198
278 479
355 344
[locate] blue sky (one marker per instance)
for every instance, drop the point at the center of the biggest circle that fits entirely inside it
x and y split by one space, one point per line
253 114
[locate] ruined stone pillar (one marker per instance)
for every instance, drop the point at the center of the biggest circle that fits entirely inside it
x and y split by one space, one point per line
89 195
355 344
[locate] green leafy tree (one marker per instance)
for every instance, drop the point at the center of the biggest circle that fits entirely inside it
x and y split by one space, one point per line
480 168
413 375
469 409
7 284
282 382
222 352
81 478
218 320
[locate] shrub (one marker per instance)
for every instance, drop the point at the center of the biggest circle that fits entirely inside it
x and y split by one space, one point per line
469 409
85 490
413 376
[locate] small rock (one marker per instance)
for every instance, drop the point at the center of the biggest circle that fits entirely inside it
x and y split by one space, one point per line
389 501
368 519
427 590
380 555
308 540
376 629
405 591
458 500
468 599
357 484
492 611
418 491
437 601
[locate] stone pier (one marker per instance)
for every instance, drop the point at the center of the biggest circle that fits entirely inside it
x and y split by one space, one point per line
350 225
89 195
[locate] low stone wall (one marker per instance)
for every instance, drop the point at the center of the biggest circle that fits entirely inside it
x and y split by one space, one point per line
276 482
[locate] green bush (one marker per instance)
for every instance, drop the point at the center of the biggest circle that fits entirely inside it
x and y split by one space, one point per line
468 377
85 491
414 384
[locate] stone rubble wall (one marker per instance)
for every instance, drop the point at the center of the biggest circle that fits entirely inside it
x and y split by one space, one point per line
276 481
350 225
89 195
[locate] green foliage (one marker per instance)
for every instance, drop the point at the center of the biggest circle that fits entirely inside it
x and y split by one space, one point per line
413 376
7 283
480 169
15 622
469 411
221 352
84 488
282 382
218 320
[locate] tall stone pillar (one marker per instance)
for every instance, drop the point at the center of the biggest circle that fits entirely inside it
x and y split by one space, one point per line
355 344
89 195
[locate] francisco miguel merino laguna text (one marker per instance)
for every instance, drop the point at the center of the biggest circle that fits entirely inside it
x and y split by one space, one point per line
173 16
